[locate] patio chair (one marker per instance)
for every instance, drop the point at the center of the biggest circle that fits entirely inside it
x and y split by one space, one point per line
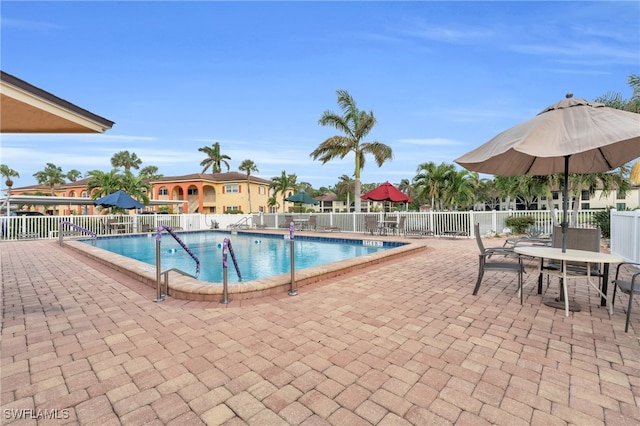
311 224
287 221
503 265
629 285
371 224
401 226
578 239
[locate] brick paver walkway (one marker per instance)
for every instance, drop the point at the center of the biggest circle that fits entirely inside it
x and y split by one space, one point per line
403 342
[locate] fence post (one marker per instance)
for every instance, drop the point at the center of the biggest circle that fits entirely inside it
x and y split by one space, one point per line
494 221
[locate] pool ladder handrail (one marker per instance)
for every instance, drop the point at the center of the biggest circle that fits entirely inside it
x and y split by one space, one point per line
226 246
159 272
61 233
239 223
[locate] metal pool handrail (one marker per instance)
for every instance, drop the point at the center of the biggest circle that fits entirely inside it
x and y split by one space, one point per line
159 272
226 246
179 241
73 225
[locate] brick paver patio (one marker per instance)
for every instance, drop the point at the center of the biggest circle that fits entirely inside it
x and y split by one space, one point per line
403 342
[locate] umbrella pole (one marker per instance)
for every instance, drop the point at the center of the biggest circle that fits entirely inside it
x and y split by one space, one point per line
565 204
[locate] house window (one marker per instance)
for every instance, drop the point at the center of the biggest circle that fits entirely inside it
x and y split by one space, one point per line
584 206
262 190
544 197
555 195
192 191
163 191
232 208
585 195
85 194
621 206
619 196
231 188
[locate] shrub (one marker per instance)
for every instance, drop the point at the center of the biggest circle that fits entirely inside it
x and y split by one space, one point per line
519 224
602 219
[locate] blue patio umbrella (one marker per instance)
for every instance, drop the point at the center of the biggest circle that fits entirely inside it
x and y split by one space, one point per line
118 199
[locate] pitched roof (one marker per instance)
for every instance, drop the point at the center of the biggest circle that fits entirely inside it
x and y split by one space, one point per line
212 177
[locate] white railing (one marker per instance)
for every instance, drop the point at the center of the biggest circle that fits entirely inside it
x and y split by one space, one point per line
625 234
438 223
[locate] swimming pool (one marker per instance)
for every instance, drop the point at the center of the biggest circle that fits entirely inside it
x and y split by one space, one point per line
187 288
258 255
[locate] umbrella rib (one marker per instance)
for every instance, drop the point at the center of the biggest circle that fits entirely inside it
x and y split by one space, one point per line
533 160
605 158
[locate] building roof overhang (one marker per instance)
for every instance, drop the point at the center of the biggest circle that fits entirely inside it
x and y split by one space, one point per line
25 108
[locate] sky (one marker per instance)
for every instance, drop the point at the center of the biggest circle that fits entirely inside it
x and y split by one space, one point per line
441 78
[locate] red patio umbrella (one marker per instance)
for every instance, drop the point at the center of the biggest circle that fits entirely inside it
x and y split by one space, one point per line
387 192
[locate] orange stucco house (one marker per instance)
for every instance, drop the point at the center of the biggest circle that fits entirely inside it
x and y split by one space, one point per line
214 193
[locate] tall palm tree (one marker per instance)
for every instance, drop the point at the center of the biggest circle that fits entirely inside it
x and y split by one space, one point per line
101 183
248 166
356 125
214 158
7 172
282 184
126 159
51 176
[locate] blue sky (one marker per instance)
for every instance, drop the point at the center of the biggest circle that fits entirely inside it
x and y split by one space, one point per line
441 77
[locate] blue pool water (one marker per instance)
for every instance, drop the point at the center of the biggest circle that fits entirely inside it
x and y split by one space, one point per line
257 255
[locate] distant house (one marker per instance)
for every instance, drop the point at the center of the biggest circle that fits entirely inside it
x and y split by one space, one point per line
329 203
215 192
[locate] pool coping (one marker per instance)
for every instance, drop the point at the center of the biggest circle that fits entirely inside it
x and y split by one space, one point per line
188 288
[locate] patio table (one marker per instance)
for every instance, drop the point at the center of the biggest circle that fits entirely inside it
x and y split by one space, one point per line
571 255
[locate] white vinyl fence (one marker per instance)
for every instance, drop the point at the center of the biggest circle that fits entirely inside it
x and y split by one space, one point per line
625 234
625 226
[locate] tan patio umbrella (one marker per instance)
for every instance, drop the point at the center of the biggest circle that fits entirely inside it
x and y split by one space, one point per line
571 136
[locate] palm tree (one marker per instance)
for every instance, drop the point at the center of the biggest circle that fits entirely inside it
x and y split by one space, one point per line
616 100
73 175
136 187
51 176
431 180
282 184
345 186
605 181
214 158
126 160
150 172
356 125
7 172
489 194
101 183
248 166
460 189
273 202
